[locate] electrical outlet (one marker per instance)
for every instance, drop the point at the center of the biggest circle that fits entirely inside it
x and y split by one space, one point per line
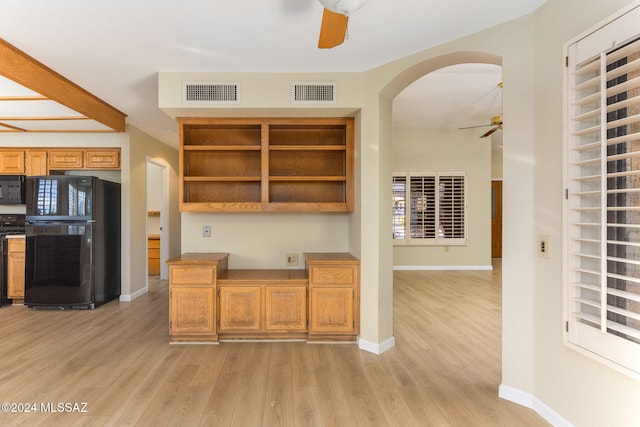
291 260
543 246
206 231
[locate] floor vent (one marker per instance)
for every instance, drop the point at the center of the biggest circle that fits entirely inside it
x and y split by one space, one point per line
210 93
313 93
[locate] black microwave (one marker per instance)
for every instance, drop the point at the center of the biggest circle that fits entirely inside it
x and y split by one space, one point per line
12 190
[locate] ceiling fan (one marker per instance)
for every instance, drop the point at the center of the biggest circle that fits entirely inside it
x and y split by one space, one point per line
496 122
333 30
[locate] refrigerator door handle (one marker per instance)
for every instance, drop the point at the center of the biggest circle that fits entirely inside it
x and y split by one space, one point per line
45 222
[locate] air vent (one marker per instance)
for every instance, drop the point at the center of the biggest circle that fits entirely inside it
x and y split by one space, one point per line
313 93
211 93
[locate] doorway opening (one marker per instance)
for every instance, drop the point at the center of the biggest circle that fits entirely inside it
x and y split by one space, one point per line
157 176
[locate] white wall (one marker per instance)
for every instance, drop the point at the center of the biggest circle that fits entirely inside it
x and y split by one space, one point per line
143 146
455 150
261 240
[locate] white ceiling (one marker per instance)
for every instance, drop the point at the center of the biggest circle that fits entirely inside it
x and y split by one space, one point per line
115 48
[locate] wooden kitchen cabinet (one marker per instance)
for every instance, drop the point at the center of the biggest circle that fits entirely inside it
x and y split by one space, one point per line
192 311
15 267
102 158
36 163
240 308
334 296
285 308
66 159
209 302
12 162
293 164
263 304
192 295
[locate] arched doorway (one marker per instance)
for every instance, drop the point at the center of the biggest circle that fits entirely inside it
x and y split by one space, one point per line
443 123
371 225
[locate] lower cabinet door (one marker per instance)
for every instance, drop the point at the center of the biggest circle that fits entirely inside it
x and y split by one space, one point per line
15 269
285 308
192 310
240 308
331 310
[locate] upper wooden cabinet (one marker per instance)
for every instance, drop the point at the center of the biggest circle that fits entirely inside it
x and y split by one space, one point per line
84 158
12 162
65 159
23 162
102 158
34 162
303 164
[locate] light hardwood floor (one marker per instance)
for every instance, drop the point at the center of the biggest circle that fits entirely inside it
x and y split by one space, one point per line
444 370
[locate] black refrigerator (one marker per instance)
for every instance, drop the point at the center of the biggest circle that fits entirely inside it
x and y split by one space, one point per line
72 257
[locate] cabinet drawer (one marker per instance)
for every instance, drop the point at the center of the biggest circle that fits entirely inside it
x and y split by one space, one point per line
16 245
191 275
332 275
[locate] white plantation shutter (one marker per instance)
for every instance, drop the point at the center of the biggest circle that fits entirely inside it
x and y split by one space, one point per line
429 207
452 220
422 214
399 206
602 209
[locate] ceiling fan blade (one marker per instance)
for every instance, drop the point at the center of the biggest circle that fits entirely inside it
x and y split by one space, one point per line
490 131
332 30
473 127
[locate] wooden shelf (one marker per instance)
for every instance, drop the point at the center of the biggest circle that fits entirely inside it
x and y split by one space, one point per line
308 148
266 164
222 148
221 178
307 178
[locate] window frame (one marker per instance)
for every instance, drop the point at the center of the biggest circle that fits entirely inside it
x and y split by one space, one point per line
434 232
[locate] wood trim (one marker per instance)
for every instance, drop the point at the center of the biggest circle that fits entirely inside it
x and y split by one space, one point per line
24 98
25 70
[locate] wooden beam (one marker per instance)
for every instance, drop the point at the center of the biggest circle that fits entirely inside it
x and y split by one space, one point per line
25 70
10 128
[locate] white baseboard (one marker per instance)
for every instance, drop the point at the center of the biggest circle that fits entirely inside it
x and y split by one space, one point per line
444 267
528 400
136 294
376 348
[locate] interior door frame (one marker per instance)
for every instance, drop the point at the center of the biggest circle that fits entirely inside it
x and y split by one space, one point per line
164 216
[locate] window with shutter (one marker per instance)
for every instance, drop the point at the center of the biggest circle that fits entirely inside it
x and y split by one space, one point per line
429 207
602 209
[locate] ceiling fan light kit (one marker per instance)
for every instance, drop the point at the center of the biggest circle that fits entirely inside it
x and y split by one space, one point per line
333 30
344 7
